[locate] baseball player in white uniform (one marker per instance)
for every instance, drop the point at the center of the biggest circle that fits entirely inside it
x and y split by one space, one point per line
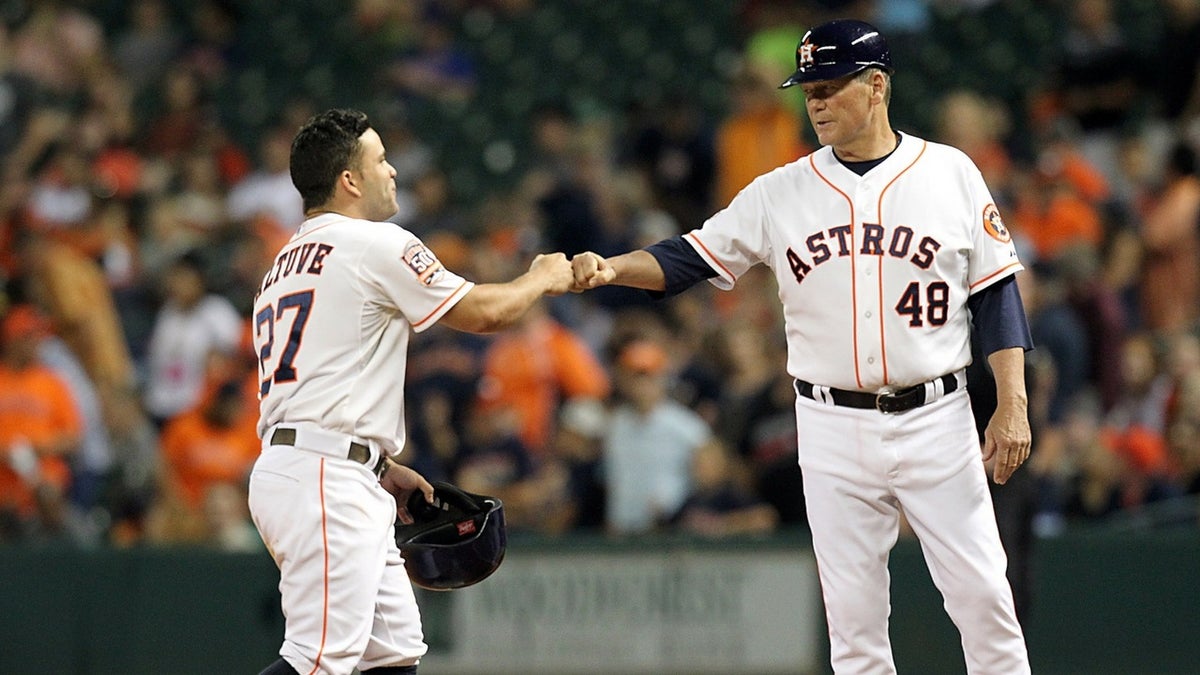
332 323
886 248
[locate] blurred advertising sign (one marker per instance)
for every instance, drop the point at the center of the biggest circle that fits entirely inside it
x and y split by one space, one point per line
639 612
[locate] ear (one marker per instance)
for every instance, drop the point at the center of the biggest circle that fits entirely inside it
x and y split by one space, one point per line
878 86
349 183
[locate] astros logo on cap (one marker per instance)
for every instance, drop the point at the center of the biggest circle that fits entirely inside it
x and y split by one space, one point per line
993 225
805 52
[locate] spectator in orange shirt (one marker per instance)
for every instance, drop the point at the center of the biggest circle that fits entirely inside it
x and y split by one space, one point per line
1061 200
533 368
1136 427
761 133
1053 215
208 445
39 427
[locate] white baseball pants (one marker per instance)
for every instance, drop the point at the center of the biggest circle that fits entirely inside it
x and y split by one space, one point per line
346 598
861 468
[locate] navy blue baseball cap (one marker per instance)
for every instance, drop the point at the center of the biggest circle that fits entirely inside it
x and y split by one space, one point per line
839 48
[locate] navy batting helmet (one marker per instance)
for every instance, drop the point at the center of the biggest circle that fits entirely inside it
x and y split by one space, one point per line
456 541
839 48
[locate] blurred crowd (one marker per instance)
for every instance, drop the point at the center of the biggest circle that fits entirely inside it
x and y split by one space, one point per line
134 228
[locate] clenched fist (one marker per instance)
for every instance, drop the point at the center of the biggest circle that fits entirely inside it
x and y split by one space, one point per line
591 271
555 270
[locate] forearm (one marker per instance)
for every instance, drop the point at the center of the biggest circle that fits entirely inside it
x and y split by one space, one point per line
487 308
638 269
1008 368
492 307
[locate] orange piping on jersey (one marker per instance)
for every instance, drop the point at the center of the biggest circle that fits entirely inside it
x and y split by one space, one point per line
879 210
712 257
853 268
882 336
325 548
441 305
998 272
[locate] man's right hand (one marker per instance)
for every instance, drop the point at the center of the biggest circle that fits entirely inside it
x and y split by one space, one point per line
591 271
556 270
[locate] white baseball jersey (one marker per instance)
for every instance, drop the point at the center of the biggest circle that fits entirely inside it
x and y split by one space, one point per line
874 271
332 339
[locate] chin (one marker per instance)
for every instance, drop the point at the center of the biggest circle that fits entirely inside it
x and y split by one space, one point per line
824 137
387 211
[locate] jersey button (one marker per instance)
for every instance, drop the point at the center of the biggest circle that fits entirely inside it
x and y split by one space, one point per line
867 271
867 314
870 359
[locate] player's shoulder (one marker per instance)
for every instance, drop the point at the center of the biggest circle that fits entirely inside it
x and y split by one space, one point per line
943 153
792 171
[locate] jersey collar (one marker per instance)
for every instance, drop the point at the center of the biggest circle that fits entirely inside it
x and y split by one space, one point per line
906 150
314 222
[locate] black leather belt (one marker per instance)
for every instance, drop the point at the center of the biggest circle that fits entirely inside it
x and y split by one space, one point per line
889 402
358 452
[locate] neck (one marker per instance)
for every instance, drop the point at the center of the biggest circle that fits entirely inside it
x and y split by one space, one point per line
322 210
880 141
348 210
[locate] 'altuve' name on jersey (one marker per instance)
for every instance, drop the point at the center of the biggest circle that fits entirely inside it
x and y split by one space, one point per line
306 258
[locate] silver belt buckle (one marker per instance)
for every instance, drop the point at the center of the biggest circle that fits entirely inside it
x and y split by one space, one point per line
881 398
879 402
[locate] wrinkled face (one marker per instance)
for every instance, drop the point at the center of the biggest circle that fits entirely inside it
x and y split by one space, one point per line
375 178
839 110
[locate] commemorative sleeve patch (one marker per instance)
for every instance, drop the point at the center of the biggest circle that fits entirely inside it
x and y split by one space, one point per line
994 225
423 263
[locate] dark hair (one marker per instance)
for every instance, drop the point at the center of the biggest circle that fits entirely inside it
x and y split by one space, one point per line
325 146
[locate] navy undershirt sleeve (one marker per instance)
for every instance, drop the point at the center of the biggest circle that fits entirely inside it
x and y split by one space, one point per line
682 267
999 317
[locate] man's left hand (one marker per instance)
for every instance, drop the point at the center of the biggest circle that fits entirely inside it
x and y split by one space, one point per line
1007 439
